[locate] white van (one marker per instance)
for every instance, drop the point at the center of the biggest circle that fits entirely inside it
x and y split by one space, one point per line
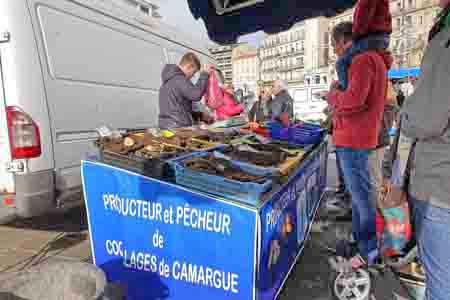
68 67
306 105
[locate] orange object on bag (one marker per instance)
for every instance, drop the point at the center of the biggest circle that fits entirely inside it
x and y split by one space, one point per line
262 131
285 119
214 94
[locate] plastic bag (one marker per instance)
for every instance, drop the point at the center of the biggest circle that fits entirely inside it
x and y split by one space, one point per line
214 94
394 230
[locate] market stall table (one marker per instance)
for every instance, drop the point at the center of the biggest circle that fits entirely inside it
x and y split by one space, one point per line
163 241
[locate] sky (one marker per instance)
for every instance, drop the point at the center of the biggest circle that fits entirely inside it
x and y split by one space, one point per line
177 13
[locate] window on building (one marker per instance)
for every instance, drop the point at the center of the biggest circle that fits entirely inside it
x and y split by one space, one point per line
408 20
317 79
409 43
421 20
145 9
399 22
325 79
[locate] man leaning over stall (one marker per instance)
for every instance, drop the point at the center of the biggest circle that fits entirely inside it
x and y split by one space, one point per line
178 94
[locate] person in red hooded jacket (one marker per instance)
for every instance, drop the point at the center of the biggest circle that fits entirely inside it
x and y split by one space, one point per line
358 112
229 108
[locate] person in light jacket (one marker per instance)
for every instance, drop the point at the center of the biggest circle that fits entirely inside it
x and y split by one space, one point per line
426 119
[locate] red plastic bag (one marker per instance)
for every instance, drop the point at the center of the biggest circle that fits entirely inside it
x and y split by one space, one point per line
214 94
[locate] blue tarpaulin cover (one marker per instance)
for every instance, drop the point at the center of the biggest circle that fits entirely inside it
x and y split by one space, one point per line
271 16
403 73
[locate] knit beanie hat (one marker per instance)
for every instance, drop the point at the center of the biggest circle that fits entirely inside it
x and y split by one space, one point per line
371 16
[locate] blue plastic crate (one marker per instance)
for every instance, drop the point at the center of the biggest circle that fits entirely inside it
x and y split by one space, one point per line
306 134
248 167
312 126
245 192
278 131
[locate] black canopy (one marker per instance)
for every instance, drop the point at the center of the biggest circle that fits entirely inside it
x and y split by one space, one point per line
226 20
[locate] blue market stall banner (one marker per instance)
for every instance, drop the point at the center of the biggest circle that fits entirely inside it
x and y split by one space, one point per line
164 242
285 222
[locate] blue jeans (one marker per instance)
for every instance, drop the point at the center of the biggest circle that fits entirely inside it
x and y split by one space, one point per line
340 174
432 226
355 166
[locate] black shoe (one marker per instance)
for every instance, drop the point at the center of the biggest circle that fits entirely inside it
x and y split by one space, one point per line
340 191
346 249
347 217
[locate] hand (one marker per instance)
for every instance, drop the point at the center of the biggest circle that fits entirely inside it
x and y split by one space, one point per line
386 185
335 85
207 118
253 125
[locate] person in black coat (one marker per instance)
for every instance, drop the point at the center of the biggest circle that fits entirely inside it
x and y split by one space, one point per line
178 94
282 102
260 111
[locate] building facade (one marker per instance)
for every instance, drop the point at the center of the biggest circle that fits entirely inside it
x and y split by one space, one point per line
223 55
146 7
245 62
411 22
295 54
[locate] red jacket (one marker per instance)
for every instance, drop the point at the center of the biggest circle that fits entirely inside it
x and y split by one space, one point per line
229 108
359 109
371 16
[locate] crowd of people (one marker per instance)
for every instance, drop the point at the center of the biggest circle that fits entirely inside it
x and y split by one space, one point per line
362 109
179 98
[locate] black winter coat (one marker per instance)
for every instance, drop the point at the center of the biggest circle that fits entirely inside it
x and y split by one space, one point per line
176 97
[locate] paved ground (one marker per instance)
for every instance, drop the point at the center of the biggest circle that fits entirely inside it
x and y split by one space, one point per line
25 243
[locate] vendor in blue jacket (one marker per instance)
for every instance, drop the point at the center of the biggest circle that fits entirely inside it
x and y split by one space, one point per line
178 94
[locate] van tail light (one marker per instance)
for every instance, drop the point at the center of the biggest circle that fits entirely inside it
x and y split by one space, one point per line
24 134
